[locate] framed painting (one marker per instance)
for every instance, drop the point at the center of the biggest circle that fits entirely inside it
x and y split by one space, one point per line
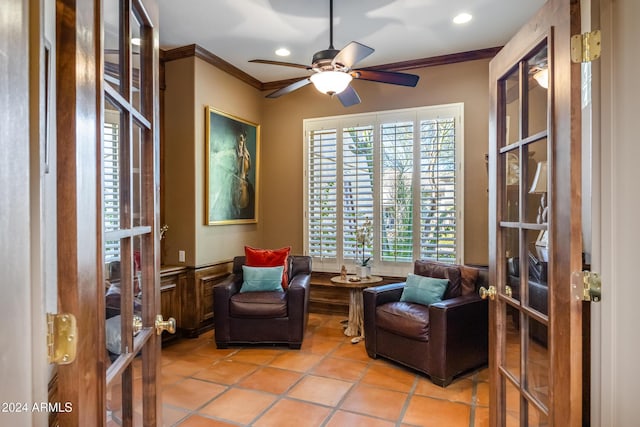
232 166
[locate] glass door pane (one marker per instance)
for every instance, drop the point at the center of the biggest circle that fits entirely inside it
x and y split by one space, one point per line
129 206
511 95
522 288
113 44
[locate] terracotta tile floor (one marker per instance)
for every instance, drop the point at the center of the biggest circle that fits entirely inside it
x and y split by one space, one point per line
329 382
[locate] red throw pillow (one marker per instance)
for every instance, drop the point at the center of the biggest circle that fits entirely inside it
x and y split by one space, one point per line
269 258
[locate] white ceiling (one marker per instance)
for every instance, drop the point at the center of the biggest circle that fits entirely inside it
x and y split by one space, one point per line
398 30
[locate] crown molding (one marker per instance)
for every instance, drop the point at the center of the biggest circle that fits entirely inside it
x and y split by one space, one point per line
210 58
216 61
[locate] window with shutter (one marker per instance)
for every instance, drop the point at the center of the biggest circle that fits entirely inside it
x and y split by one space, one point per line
111 186
322 215
357 190
438 216
399 172
396 202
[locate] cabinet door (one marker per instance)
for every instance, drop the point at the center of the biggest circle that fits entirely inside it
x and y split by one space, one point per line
207 284
170 298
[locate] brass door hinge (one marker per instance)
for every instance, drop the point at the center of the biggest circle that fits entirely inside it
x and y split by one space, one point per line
586 286
586 47
62 338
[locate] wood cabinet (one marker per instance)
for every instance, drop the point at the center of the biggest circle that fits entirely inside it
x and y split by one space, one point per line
172 280
197 298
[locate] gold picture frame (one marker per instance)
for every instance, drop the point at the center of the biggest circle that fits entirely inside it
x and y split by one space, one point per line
232 169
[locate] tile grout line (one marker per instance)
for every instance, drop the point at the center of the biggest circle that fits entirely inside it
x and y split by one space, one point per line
280 396
410 395
338 351
474 397
338 406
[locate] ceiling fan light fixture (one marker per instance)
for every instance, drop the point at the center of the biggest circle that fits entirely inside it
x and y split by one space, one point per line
542 77
331 82
462 18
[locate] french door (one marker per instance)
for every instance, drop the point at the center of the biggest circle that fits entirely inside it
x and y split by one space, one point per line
108 215
535 224
129 154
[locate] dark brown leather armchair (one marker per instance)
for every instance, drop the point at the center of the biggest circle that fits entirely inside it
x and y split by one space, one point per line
273 317
441 340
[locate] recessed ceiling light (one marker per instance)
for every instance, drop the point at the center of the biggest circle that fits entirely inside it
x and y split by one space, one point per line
283 51
462 18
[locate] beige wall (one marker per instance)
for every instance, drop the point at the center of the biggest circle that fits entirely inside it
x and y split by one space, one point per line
282 154
179 202
219 90
193 84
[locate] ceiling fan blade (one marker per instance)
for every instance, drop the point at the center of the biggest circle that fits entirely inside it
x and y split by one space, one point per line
284 64
390 77
349 97
352 53
288 89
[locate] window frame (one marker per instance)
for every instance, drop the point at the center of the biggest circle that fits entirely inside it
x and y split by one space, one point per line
376 119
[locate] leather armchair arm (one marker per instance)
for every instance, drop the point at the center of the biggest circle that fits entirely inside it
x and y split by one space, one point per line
298 305
378 295
221 295
371 299
459 335
298 293
229 286
452 303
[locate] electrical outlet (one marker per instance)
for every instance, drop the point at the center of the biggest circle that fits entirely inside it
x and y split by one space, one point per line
181 256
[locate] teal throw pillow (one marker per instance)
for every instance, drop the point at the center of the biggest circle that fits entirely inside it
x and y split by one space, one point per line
423 290
261 278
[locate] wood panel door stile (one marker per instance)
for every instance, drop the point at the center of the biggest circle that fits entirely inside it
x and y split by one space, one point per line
534 382
79 258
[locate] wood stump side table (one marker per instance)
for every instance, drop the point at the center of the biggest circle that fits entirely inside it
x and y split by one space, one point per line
355 322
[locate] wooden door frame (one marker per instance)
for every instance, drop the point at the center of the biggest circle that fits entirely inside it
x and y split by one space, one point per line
23 370
617 206
564 227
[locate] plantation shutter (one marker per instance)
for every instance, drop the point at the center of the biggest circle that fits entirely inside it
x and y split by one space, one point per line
322 204
396 224
111 191
396 175
438 221
358 190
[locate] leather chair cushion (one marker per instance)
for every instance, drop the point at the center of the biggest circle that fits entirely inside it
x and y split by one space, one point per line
440 270
469 277
404 318
263 305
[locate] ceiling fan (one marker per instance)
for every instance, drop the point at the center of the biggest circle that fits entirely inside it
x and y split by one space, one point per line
333 71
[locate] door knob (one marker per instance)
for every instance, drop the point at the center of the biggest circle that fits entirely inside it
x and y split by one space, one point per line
137 324
168 325
490 293
508 292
